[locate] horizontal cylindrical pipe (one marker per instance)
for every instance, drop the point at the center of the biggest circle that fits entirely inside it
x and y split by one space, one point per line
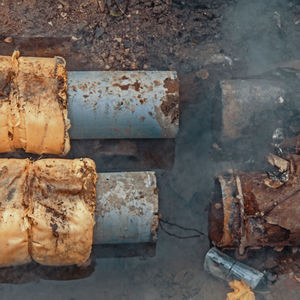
123 104
126 208
253 210
247 106
225 267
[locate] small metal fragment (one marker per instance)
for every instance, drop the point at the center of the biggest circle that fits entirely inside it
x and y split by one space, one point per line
278 162
225 267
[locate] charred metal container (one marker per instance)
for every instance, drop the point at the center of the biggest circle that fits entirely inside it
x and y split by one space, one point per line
123 104
253 210
225 267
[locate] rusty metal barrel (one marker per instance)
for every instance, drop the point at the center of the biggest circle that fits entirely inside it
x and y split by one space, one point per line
253 210
123 104
126 208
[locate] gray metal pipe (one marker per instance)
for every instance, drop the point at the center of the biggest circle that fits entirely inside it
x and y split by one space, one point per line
122 104
250 107
126 208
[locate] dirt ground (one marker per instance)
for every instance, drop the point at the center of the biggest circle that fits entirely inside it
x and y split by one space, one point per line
205 42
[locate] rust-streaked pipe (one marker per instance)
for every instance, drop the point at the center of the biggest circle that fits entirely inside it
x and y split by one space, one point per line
126 208
123 104
250 210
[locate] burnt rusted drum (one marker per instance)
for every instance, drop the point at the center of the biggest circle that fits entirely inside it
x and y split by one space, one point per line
252 210
123 104
126 208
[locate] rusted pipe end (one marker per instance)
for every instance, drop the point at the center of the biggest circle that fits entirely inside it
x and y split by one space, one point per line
224 216
216 215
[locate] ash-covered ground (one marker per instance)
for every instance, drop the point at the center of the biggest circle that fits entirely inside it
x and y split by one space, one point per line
205 42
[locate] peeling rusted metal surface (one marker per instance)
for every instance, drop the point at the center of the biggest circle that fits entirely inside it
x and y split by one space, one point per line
127 208
123 104
255 214
242 103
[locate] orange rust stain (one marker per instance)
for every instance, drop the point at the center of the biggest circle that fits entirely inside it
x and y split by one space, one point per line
122 87
156 83
170 107
136 86
227 239
83 87
143 118
85 96
172 85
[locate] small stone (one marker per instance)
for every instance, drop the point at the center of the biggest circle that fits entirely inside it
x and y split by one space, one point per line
104 54
145 67
64 14
158 9
127 44
101 63
270 263
99 32
107 67
8 40
74 38
119 40
278 249
203 74
133 66
217 147
50 23
111 59
218 205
